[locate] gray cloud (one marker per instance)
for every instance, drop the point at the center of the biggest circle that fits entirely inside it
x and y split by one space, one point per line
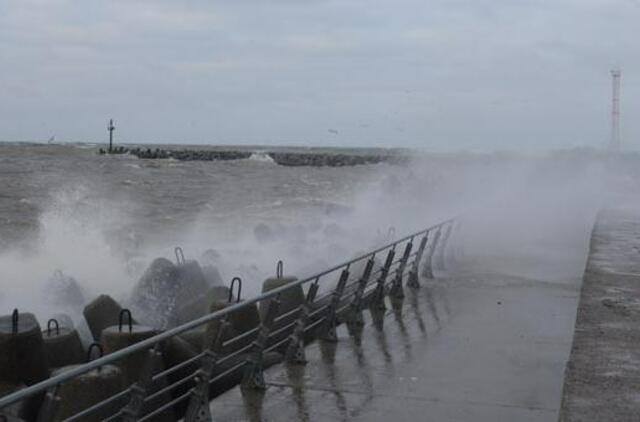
456 74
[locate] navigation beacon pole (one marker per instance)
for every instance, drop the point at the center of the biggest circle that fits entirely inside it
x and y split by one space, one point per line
111 128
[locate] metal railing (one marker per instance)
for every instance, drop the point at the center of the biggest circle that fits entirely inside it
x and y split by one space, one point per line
185 388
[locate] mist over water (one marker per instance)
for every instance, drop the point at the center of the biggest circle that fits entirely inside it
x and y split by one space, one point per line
102 220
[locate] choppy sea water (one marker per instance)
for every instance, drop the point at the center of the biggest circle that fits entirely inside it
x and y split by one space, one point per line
102 219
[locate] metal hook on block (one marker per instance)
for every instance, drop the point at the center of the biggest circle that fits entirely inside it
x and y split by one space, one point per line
120 318
90 350
233 283
54 321
179 255
279 269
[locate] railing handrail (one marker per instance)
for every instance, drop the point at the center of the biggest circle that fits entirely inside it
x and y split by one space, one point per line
172 332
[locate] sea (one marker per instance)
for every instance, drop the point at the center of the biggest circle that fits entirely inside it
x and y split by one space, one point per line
102 219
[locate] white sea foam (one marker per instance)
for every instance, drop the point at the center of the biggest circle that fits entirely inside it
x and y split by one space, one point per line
262 157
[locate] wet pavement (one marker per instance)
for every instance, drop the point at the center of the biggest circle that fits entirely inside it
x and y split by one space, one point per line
603 375
463 348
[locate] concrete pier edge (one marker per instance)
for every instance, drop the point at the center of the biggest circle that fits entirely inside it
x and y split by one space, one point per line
602 376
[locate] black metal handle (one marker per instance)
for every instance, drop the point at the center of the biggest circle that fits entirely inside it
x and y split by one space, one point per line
179 255
122 313
94 346
279 269
235 280
55 321
14 321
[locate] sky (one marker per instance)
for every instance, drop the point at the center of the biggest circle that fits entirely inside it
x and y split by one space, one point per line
443 75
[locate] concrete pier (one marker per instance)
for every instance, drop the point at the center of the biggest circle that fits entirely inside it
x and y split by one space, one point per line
489 338
603 375
482 347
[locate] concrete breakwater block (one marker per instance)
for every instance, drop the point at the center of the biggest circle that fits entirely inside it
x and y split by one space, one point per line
62 345
134 365
26 410
290 299
212 275
86 390
101 313
115 338
211 261
198 306
10 418
63 290
64 320
195 337
22 352
164 288
196 309
240 321
175 351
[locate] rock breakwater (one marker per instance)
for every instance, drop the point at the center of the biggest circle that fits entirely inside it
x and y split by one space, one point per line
293 159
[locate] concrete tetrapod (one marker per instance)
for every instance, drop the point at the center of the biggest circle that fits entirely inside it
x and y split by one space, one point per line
197 309
101 313
23 359
290 299
62 345
175 351
62 290
165 288
240 321
25 410
22 354
86 390
134 365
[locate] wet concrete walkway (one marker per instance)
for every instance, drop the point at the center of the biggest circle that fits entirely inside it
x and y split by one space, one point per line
469 348
603 375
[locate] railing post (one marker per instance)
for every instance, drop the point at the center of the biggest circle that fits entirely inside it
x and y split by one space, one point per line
50 406
295 350
441 252
413 281
253 376
329 331
396 291
378 298
427 270
134 410
355 320
198 409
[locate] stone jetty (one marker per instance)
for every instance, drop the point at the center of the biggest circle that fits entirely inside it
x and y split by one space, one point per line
292 159
602 380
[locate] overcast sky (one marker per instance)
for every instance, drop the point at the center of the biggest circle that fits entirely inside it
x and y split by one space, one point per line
443 75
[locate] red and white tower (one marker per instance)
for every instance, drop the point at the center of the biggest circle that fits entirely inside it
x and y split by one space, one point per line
614 143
